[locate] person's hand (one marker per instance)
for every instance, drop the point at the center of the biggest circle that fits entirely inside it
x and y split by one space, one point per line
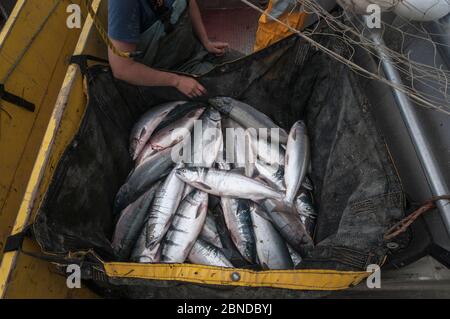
217 48
189 86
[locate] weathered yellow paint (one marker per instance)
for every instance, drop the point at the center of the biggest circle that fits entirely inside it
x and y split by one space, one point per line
16 268
287 279
34 278
35 48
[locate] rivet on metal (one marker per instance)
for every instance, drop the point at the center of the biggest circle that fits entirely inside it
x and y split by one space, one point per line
235 276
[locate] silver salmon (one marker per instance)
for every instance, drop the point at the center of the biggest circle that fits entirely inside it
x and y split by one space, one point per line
295 256
175 132
297 160
270 247
247 116
273 175
130 224
306 211
227 183
290 226
237 218
203 253
210 233
142 178
235 137
238 146
308 184
208 140
144 128
166 201
271 153
185 228
145 255
146 154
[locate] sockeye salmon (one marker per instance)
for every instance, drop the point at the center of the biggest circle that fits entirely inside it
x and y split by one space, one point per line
210 233
297 160
290 226
208 140
130 224
203 253
166 201
185 228
271 249
142 178
306 211
247 116
176 132
227 183
144 128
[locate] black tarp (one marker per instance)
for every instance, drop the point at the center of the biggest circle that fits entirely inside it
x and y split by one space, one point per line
358 192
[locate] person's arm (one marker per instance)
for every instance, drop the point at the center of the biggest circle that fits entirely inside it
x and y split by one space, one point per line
136 73
217 48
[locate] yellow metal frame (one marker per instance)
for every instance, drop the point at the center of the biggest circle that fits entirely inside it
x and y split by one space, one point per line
32 66
287 279
18 270
20 275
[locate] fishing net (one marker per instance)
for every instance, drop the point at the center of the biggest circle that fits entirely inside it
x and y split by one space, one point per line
358 193
360 6
351 30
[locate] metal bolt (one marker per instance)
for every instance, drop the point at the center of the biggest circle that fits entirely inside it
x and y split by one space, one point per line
235 276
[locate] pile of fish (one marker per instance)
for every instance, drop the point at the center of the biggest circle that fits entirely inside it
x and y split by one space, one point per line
199 194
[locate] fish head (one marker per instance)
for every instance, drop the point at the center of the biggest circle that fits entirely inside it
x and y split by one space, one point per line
188 175
196 113
300 128
213 115
222 104
134 148
201 198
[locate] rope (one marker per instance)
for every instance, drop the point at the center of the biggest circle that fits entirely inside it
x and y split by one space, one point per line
404 224
408 91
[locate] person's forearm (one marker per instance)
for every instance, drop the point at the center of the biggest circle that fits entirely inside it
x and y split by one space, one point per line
197 22
139 74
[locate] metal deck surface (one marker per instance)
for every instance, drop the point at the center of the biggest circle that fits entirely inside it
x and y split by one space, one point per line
232 21
236 26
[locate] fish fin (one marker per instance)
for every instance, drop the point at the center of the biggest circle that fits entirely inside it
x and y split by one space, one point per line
201 186
263 213
265 266
294 135
238 170
143 132
203 209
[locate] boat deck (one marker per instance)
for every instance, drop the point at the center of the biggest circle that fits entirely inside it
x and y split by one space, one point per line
233 22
